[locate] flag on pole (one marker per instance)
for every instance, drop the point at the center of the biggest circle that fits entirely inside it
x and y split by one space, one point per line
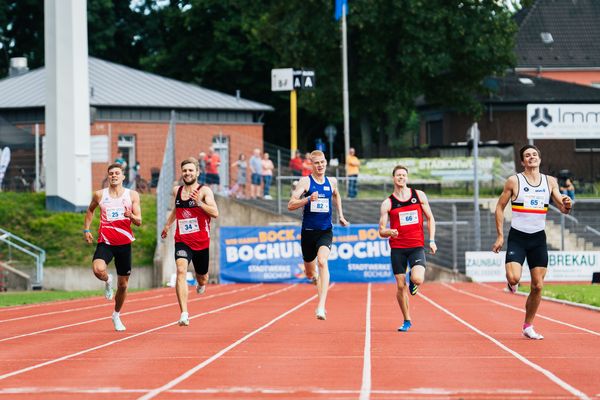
341 9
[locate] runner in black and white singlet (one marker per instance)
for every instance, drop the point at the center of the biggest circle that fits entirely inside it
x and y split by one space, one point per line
194 207
315 194
119 207
530 193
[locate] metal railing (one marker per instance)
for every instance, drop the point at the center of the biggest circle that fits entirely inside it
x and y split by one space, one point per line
22 245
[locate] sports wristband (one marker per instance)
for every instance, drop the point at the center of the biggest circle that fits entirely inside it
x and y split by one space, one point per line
431 241
86 230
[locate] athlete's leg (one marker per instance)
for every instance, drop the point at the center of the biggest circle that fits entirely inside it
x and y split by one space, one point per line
513 275
100 269
417 274
310 270
402 295
323 282
535 295
181 286
121 292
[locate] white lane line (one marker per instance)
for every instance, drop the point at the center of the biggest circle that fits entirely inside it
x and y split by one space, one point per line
59 302
123 314
216 356
575 392
520 310
266 390
365 390
20 371
110 304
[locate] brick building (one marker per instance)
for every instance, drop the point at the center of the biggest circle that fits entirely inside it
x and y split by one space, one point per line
130 112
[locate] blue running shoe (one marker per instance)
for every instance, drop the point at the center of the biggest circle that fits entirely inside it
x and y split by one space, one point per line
405 326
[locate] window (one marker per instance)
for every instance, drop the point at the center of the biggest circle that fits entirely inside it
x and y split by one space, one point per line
587 145
435 133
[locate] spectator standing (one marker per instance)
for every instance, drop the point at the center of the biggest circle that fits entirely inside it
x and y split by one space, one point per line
242 166
212 170
267 175
352 168
202 166
296 164
306 165
256 170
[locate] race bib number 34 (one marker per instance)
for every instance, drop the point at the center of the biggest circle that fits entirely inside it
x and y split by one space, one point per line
409 217
187 226
320 205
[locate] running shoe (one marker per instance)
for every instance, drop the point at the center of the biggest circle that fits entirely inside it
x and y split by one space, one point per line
200 289
119 327
321 314
413 288
184 320
108 288
405 326
512 288
530 333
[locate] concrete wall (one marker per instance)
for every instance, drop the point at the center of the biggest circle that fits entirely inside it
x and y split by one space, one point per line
82 278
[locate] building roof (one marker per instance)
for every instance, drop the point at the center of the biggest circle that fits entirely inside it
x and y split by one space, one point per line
520 89
523 89
115 85
575 31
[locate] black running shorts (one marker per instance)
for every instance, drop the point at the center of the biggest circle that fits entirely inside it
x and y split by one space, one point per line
523 245
311 240
121 254
198 257
402 258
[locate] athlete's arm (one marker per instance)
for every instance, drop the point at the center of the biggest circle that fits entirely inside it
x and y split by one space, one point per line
338 202
297 201
172 215
384 232
89 216
206 201
430 220
562 201
135 214
507 194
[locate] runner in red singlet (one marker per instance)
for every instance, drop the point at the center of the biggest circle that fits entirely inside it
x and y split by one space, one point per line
405 209
194 207
119 207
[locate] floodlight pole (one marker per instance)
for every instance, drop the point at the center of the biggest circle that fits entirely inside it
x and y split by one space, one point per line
476 217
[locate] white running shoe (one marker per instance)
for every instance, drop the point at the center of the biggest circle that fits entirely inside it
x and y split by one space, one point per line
321 314
200 289
184 320
530 333
512 288
119 327
108 288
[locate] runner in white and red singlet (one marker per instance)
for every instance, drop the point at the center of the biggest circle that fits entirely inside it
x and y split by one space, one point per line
529 193
405 209
194 207
119 207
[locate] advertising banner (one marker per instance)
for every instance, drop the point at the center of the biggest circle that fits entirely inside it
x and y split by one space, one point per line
574 266
563 121
273 254
433 169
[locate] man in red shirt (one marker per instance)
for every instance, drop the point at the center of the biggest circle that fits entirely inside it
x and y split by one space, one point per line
213 160
194 207
405 209
119 207
296 164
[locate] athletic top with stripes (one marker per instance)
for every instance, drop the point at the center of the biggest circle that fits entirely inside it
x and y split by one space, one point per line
193 223
407 217
115 227
531 205
317 214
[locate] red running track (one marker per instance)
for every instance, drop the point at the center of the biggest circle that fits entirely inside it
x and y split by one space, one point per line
263 341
